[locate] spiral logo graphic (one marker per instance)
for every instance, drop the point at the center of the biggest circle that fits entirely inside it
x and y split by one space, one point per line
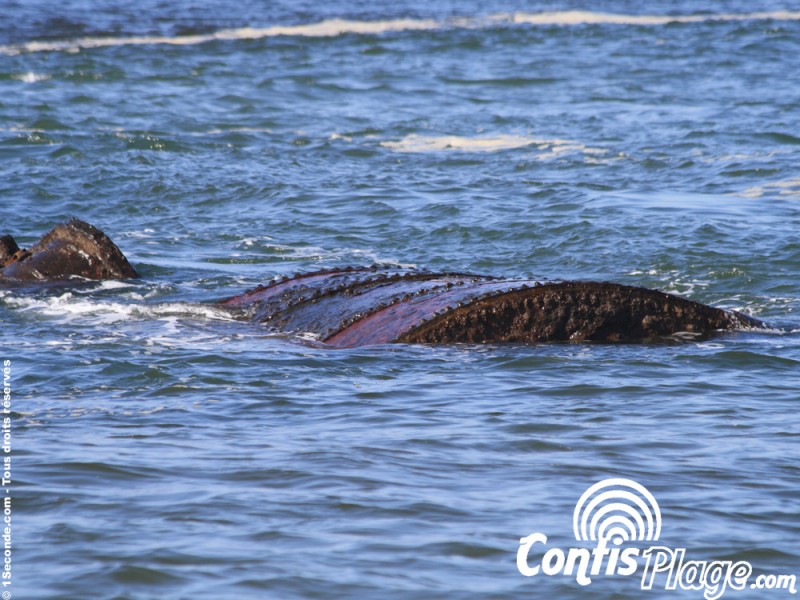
619 510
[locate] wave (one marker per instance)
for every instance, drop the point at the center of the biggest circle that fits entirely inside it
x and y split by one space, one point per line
69 305
337 27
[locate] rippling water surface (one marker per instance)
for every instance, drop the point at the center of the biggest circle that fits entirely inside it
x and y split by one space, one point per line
164 451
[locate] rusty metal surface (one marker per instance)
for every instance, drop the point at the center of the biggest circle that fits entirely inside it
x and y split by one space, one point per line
358 307
298 286
330 313
323 303
388 325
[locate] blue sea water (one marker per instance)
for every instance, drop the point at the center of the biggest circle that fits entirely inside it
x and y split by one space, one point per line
161 450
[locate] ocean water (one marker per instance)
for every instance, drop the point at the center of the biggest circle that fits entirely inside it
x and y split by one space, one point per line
162 450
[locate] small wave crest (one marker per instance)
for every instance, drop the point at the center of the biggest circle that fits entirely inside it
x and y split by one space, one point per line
337 27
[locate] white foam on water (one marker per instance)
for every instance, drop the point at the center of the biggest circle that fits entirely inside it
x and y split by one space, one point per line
298 252
585 17
337 27
68 306
423 143
327 28
31 77
361 256
195 311
637 272
785 187
109 284
738 157
308 336
547 148
142 235
337 136
230 130
316 254
685 289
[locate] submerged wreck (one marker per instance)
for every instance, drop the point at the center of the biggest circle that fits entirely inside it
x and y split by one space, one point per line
361 306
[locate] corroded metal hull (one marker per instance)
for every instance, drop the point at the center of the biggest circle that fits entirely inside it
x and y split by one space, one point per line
364 306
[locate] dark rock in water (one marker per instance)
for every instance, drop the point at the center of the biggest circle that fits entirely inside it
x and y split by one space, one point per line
8 250
70 250
363 306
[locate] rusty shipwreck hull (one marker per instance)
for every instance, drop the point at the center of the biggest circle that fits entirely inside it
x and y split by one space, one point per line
362 306
365 306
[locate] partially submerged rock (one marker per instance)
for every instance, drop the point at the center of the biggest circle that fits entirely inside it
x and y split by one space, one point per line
71 250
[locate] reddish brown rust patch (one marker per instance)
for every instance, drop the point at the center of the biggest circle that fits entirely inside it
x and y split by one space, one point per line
387 325
282 286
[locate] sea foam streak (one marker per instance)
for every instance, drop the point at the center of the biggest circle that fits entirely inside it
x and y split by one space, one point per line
547 148
581 17
68 306
31 77
422 143
785 187
336 27
328 28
